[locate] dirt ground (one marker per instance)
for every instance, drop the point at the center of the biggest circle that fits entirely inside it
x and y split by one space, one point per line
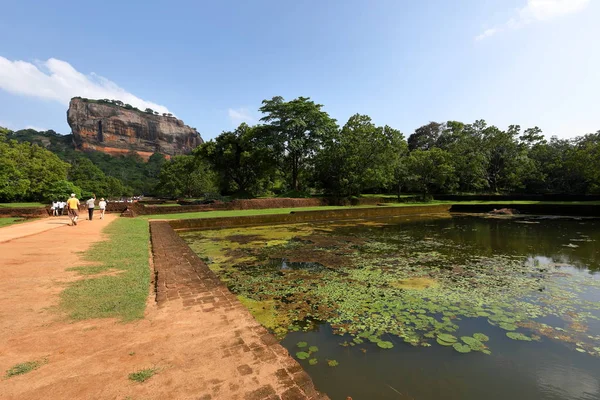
31 228
197 354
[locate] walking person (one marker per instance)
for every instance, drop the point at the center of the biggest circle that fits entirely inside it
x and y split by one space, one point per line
73 209
61 207
102 205
54 208
91 203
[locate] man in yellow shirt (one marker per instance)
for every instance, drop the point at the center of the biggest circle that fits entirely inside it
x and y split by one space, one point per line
73 207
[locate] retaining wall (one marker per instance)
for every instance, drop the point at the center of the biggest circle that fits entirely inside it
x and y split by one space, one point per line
25 212
305 216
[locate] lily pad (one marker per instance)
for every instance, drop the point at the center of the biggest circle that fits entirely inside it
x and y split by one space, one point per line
332 363
302 355
313 361
507 326
301 344
313 349
579 349
461 348
441 342
473 343
481 337
445 337
385 344
518 336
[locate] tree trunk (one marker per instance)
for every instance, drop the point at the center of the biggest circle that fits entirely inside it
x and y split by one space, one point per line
295 172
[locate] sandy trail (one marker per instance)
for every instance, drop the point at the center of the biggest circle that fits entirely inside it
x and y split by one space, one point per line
31 228
198 354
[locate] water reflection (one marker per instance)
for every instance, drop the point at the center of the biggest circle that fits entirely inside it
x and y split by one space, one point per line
567 382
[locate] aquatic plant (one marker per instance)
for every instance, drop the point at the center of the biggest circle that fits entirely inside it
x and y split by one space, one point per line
313 349
481 337
332 363
385 344
461 348
302 355
518 336
301 344
313 361
388 281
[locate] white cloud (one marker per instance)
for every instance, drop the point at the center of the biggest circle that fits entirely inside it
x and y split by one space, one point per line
239 115
57 80
535 11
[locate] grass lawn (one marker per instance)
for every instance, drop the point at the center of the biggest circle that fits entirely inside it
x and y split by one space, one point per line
239 213
10 221
122 294
22 205
242 213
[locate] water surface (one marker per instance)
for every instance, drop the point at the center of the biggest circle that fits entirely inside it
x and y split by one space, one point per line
376 297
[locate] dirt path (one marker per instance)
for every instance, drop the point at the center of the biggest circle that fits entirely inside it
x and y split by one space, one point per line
198 354
31 228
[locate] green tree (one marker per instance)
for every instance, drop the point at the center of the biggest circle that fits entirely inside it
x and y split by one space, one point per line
430 171
186 176
26 171
298 128
464 145
243 161
425 137
61 190
361 156
86 175
508 165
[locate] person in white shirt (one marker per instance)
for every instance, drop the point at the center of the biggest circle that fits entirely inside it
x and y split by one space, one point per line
91 203
61 207
102 206
54 208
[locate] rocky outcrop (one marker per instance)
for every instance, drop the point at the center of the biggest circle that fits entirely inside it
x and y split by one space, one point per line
114 129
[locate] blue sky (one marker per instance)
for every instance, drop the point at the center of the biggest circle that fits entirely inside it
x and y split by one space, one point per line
404 63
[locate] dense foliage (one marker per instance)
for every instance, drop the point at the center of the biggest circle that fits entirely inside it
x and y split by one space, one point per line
298 149
82 173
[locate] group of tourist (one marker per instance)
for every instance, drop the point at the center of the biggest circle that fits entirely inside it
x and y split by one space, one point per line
72 206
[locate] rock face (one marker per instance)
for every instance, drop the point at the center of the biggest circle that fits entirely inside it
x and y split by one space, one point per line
116 130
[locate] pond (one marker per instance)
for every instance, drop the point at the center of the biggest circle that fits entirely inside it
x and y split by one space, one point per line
442 306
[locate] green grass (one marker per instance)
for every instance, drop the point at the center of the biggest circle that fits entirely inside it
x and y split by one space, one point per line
122 294
142 375
10 221
22 205
24 368
242 213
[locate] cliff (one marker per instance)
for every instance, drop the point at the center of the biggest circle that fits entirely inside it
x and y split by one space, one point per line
113 129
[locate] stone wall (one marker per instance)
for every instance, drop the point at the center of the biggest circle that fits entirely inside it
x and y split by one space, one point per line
25 212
